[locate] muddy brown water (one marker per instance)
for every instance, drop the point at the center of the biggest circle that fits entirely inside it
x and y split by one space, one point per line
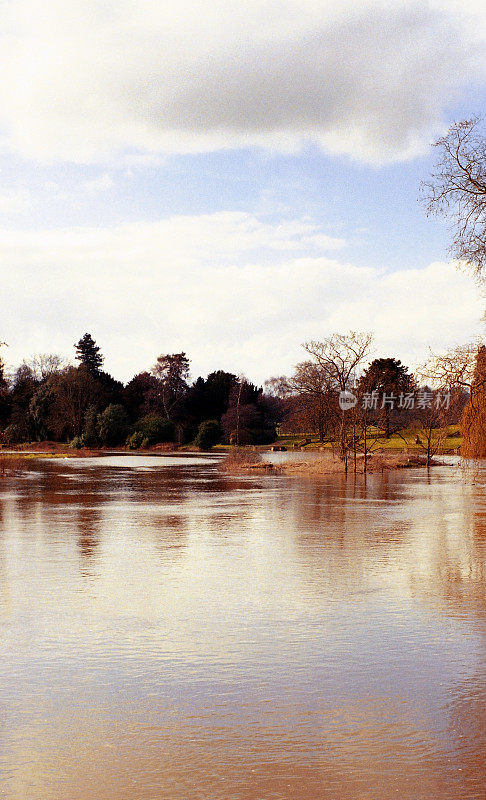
169 631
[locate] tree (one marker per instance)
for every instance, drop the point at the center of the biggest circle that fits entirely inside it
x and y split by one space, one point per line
21 427
140 395
113 425
172 372
250 416
73 391
88 353
209 398
315 406
389 378
455 367
457 191
90 430
4 393
431 420
340 357
156 429
43 365
473 423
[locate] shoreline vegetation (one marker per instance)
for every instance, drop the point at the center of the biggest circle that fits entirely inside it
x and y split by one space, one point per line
332 403
243 460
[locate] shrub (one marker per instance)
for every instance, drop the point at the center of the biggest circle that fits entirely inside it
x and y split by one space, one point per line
137 440
113 425
77 443
156 429
209 434
15 434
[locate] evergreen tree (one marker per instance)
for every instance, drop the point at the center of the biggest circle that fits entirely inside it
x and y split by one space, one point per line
88 352
389 378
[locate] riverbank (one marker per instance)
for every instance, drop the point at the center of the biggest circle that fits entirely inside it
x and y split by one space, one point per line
249 462
244 460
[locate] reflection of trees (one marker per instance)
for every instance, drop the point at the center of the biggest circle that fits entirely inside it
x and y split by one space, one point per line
88 522
421 538
4 580
400 533
88 503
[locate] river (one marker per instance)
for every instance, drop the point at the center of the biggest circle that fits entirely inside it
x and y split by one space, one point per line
170 631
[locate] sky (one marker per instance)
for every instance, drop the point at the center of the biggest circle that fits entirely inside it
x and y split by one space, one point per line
231 179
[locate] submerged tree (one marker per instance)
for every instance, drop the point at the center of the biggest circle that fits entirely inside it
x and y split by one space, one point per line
457 190
340 357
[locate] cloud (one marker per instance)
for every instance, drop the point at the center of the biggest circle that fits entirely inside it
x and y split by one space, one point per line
86 79
15 202
101 184
232 291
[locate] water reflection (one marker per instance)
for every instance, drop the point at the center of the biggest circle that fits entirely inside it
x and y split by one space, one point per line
171 631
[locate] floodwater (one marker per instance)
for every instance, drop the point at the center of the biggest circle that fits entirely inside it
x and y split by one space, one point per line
168 631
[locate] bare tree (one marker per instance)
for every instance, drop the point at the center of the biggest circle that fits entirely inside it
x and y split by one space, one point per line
340 357
432 415
457 190
43 365
464 368
313 388
456 367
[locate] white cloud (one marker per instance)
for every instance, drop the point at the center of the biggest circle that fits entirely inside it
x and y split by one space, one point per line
96 185
88 78
15 202
232 291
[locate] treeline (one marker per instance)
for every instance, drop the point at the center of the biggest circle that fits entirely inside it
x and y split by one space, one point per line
46 399
335 394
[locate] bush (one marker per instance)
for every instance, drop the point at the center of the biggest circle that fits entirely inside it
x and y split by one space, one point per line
209 434
156 429
137 440
113 425
77 443
15 434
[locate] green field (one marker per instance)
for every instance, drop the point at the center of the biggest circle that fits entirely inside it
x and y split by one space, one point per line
377 441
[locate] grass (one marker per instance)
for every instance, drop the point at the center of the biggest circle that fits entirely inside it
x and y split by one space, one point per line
378 442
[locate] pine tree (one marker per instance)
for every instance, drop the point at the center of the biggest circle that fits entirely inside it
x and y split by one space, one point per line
88 352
